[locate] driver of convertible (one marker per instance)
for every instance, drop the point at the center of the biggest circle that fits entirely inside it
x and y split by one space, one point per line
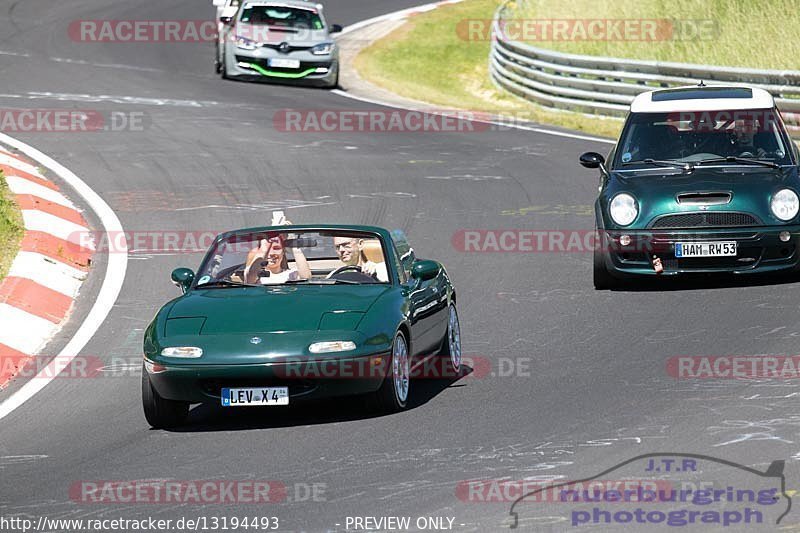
351 252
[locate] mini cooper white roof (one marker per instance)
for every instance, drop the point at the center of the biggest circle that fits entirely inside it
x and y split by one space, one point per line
702 98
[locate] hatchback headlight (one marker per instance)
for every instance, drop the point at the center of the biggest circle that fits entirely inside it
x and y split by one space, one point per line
332 346
785 204
623 209
246 44
189 352
323 49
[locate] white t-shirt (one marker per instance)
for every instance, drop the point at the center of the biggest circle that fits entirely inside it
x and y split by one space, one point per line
283 277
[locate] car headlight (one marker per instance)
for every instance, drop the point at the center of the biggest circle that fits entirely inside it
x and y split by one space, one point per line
785 204
189 352
332 346
623 209
246 44
323 49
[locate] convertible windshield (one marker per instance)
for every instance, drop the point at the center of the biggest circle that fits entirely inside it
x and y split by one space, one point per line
282 17
278 258
683 137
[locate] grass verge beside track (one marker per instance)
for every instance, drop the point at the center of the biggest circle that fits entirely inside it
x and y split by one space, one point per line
11 227
427 60
740 33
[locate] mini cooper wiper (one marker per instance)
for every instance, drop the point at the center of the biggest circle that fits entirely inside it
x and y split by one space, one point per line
687 167
734 159
221 283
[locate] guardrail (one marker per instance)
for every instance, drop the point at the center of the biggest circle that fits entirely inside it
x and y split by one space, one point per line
606 85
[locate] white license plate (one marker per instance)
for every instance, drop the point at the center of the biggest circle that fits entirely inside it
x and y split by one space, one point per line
281 62
255 396
705 249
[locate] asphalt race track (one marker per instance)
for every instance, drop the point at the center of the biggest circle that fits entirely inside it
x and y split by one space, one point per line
589 388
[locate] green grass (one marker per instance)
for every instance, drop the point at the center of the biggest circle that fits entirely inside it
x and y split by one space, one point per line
427 59
11 228
741 33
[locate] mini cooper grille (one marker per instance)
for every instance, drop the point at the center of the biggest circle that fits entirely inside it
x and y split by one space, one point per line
705 220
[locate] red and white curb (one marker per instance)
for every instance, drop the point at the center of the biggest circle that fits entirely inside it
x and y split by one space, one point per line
37 296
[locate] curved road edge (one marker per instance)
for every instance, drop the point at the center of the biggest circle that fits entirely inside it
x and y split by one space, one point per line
358 36
109 290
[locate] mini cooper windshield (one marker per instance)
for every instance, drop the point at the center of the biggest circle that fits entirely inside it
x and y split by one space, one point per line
753 137
308 257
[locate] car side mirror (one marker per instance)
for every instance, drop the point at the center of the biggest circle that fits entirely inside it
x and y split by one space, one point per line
183 278
336 28
425 270
226 20
592 160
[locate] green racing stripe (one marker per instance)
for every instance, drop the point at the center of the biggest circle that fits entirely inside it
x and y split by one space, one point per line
280 74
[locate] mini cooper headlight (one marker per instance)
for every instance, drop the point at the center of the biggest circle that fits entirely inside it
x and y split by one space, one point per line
332 346
246 44
189 352
323 49
785 204
623 209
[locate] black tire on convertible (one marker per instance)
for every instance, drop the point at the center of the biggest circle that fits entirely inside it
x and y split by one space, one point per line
394 391
602 279
159 412
451 344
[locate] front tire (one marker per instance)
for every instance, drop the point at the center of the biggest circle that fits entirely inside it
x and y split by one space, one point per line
393 394
451 344
602 279
159 412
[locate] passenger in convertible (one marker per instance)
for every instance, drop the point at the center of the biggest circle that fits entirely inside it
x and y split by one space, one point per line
267 264
352 251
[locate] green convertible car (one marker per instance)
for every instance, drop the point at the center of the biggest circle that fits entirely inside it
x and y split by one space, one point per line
282 314
704 180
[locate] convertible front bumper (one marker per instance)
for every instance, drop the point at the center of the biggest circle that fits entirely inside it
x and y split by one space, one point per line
307 379
759 250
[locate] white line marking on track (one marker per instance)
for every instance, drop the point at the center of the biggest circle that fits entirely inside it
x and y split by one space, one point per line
36 220
19 165
23 331
505 124
45 271
19 185
109 291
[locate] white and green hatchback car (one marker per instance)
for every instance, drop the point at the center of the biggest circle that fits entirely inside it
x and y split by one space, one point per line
285 41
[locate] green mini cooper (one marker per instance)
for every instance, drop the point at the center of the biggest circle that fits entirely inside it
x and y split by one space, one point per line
284 314
704 180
